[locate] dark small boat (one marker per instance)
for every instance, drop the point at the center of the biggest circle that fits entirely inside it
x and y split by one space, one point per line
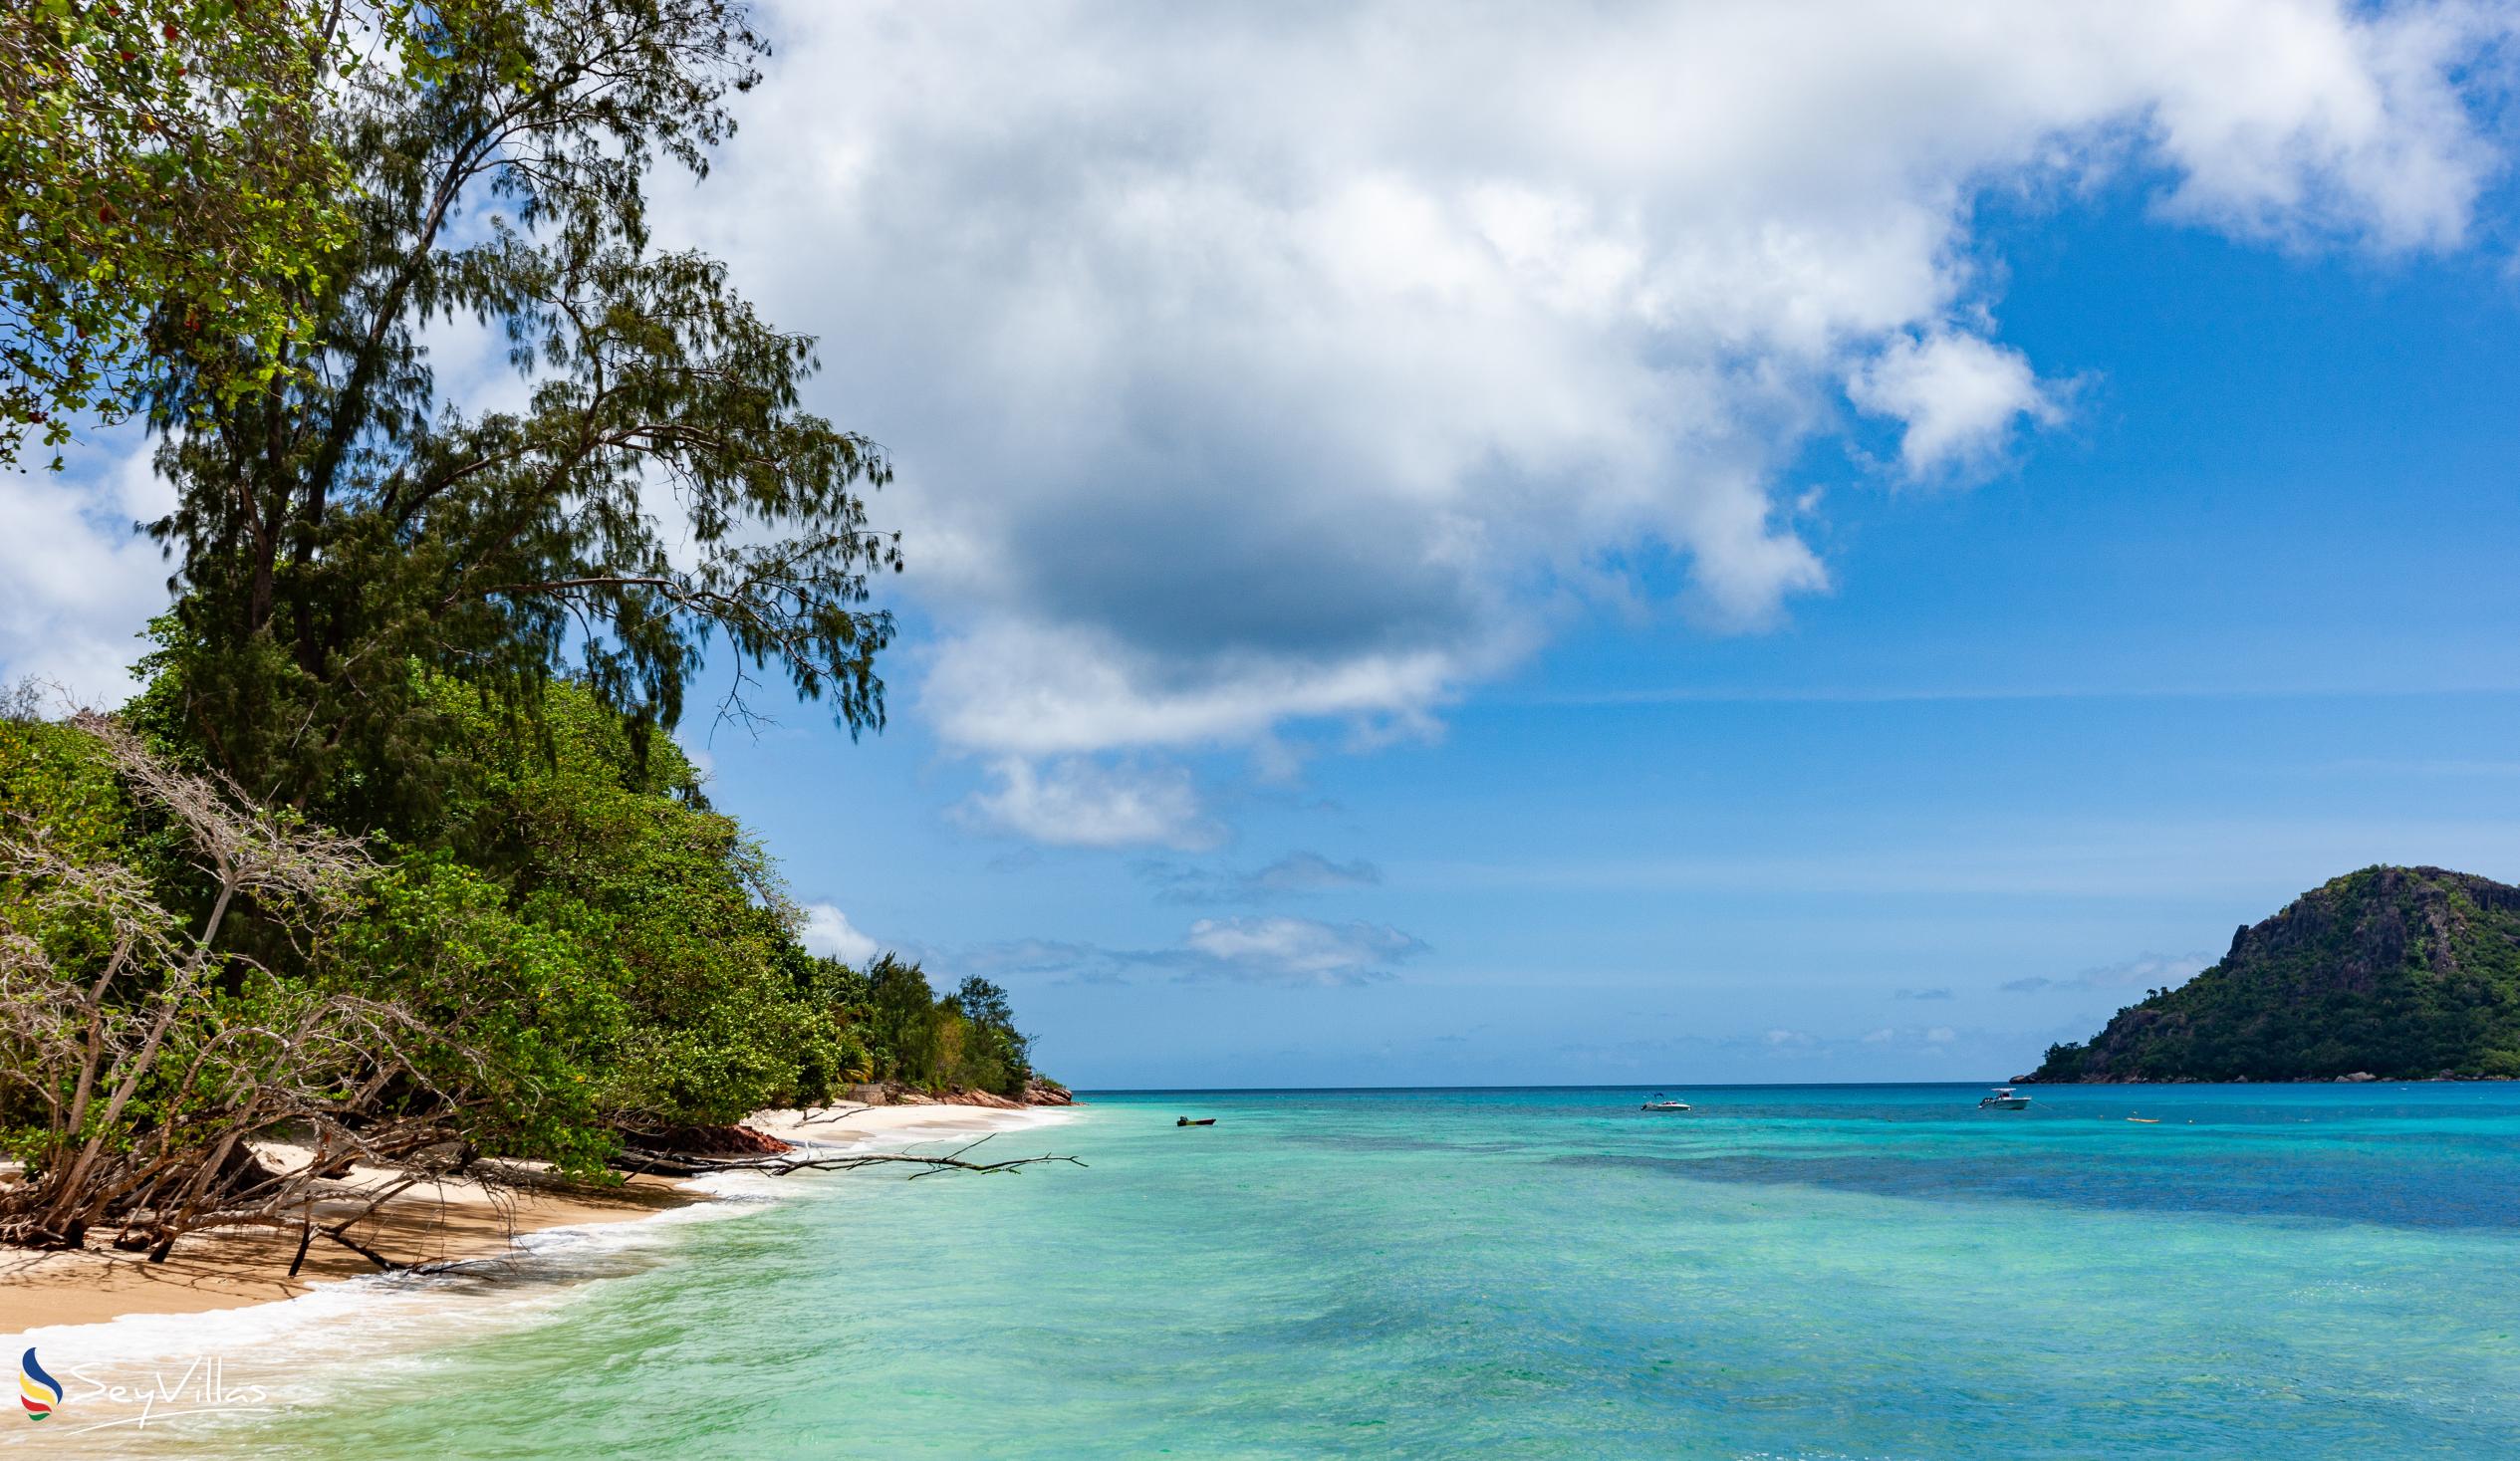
1201 1121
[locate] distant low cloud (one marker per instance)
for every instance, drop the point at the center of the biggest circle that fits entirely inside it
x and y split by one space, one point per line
828 933
1641 1052
1076 802
1922 994
1260 950
1295 874
2148 971
1300 950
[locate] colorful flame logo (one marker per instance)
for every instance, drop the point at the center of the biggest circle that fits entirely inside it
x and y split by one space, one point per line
37 1392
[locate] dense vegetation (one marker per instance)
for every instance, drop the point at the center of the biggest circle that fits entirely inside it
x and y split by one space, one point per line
2399 973
392 854
586 951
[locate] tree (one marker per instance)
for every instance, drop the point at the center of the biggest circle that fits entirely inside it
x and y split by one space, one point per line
164 176
138 1051
999 1055
346 541
901 1020
672 909
169 178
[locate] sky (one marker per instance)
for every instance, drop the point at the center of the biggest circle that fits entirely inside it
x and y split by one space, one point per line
1501 544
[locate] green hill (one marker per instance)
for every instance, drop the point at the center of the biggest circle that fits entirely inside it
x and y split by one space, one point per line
2398 972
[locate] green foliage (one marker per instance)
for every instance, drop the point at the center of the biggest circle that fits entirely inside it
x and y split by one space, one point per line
2403 973
166 177
582 947
177 190
675 910
57 790
529 1018
55 779
965 1041
348 541
994 1055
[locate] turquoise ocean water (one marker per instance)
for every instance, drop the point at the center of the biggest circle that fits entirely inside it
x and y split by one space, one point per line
1825 1272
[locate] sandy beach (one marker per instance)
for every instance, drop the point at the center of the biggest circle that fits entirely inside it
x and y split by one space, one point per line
428 1223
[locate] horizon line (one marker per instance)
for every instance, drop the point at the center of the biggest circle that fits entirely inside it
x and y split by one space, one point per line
1825 695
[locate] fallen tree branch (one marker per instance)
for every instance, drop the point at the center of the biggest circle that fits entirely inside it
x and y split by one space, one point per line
675 1164
780 1167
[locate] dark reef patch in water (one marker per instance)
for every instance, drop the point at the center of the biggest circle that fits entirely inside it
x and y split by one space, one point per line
2272 1185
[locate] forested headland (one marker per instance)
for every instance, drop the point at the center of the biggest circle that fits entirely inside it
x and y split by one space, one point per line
2388 973
394 851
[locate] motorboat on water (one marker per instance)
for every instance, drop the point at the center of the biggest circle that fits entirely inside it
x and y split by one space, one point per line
1662 1103
2003 1099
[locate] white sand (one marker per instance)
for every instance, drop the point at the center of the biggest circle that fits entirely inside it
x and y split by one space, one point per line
432 1221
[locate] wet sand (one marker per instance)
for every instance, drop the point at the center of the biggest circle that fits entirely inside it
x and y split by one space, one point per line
428 1223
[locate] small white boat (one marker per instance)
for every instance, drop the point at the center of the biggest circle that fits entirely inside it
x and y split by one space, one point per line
2003 1101
1662 1103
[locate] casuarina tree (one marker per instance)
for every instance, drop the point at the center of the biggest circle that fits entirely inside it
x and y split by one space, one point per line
349 538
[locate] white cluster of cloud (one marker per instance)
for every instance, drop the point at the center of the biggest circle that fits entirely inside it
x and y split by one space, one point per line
1958 395
1256 365
1079 802
828 933
76 584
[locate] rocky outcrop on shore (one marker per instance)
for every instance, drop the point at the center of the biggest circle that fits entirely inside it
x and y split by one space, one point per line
711 1141
1040 1093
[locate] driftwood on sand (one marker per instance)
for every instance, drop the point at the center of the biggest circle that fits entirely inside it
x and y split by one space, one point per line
688 1164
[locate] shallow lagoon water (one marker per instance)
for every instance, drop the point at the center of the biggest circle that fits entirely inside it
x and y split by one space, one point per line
1822 1272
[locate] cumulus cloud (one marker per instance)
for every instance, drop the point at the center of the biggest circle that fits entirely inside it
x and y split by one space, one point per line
76 583
1276 363
828 933
1959 395
1260 365
1294 875
1922 994
2146 971
1078 803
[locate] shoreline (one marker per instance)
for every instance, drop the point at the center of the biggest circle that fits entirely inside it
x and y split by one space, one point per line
452 1222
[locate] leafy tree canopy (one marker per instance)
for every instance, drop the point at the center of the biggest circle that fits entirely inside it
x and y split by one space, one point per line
170 177
346 540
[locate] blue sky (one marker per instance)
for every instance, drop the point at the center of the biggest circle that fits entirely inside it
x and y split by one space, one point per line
1433 561
2247 625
